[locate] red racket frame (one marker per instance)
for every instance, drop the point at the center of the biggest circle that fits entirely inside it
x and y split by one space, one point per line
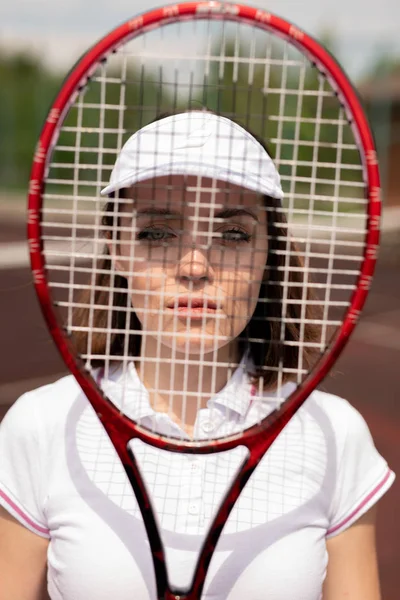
120 428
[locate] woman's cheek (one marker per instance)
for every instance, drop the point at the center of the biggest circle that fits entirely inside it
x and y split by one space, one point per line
141 285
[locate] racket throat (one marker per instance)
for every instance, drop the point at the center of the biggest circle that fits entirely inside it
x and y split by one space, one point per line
151 526
166 591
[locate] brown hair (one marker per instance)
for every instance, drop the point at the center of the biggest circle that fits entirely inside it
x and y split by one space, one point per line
262 337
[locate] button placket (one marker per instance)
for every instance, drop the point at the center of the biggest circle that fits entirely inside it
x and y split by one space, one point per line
208 426
194 508
209 421
195 467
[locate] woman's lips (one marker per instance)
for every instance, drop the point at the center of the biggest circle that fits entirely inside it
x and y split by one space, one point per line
193 307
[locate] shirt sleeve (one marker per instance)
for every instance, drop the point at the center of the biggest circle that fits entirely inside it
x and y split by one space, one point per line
21 465
363 475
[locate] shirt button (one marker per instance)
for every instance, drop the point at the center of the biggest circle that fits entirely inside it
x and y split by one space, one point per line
208 426
193 509
194 467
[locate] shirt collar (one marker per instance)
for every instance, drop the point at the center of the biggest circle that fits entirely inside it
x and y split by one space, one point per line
239 394
236 395
125 389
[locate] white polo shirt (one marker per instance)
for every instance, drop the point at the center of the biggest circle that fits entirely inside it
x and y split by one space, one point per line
61 478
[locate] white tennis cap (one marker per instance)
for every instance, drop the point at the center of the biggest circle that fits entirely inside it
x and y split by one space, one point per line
196 143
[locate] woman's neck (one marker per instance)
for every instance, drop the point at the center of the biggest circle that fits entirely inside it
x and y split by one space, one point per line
180 385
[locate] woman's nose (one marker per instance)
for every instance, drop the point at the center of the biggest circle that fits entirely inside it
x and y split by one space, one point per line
195 266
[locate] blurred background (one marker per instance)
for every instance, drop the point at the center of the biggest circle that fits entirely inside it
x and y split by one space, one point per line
40 41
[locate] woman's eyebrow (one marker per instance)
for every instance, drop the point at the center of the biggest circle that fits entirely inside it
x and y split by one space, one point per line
228 213
154 211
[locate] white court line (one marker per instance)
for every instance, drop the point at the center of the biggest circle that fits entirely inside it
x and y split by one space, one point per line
375 334
14 255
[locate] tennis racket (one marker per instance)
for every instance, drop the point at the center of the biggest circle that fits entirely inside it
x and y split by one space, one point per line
95 261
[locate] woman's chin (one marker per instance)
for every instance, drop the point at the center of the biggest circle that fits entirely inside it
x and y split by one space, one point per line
194 344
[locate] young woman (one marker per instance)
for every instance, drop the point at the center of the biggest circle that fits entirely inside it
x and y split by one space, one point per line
195 244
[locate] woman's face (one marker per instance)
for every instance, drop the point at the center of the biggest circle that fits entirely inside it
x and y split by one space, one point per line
193 251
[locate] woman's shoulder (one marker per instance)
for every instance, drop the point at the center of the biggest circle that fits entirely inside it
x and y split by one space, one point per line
44 405
362 473
346 422
334 406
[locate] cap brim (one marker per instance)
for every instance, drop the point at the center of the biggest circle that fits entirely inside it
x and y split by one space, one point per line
245 180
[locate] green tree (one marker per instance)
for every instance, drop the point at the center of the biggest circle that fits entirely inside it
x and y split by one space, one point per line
114 104
26 91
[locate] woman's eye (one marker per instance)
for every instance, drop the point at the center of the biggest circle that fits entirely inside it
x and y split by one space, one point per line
236 235
154 235
159 234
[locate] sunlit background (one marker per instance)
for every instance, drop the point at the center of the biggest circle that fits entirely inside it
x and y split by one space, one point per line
39 43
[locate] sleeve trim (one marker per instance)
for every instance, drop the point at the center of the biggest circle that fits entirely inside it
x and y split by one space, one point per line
387 479
19 513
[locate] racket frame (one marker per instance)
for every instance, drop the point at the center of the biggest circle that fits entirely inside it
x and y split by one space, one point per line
121 430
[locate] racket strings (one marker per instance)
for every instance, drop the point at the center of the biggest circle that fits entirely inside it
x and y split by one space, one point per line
316 237
287 489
